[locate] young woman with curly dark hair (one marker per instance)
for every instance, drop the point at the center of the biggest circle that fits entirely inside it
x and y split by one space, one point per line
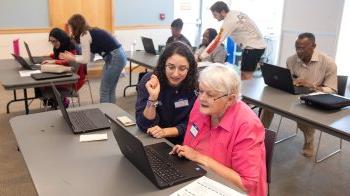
166 96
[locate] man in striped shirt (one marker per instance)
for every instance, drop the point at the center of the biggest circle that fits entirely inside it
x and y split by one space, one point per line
314 70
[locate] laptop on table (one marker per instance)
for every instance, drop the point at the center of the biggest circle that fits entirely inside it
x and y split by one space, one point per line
82 121
34 60
281 78
148 45
154 161
24 63
46 76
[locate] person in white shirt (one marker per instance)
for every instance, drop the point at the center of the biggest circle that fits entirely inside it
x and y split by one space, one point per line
245 34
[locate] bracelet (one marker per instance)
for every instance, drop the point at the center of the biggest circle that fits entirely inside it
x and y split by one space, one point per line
152 103
150 100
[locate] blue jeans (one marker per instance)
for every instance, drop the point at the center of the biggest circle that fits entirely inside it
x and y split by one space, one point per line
115 61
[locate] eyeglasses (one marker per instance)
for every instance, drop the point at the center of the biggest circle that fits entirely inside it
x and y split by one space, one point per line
172 69
53 41
209 96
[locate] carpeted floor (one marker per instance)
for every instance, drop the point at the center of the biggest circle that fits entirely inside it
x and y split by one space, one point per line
292 174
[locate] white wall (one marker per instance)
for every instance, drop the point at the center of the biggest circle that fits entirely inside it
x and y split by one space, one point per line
127 37
321 17
39 45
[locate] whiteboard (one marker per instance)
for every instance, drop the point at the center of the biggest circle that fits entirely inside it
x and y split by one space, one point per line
320 17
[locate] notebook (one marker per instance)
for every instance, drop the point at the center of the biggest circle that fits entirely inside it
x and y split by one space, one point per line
82 121
154 161
281 78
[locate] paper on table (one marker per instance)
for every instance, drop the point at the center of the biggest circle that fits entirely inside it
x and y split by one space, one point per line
206 187
26 73
93 137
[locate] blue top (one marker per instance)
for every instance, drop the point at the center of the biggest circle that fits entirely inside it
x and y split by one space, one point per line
102 42
172 110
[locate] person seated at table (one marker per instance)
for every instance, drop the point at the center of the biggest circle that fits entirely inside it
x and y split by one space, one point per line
166 96
176 28
218 55
61 42
224 134
313 69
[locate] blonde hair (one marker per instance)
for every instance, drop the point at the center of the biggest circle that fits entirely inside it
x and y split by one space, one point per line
221 78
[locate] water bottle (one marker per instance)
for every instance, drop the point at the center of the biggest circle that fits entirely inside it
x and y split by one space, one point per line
133 46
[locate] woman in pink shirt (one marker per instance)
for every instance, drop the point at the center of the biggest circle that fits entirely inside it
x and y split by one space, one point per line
224 134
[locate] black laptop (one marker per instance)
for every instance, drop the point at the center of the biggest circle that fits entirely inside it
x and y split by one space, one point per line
82 121
37 59
154 161
281 78
148 45
46 76
24 63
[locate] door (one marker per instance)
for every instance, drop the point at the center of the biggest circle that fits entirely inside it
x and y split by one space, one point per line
189 11
97 13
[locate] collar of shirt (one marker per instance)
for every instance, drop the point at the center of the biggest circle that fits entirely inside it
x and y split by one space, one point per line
314 58
225 123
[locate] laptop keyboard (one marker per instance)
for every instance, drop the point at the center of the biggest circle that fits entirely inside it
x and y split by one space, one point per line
163 168
81 121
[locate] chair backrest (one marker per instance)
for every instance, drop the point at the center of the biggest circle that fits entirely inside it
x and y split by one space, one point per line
342 81
270 138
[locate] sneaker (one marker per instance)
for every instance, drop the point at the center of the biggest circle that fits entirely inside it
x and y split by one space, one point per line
66 102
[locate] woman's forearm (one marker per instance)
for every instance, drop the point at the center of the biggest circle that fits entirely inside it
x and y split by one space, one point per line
220 169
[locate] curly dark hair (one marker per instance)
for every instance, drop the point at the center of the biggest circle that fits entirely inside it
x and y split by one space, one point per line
79 26
190 82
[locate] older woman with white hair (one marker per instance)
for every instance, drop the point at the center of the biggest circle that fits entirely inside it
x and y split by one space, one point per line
224 134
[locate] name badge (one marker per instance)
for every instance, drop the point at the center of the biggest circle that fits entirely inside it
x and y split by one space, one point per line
181 103
194 130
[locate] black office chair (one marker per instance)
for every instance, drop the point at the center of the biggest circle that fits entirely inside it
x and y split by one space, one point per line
341 84
270 137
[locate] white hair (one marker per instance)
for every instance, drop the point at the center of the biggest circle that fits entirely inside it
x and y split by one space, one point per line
221 78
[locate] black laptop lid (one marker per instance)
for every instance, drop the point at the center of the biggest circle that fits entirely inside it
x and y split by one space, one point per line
148 45
61 106
29 53
132 148
277 77
22 62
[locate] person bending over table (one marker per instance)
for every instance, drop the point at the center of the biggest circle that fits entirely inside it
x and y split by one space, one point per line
94 40
218 55
312 69
243 31
224 134
166 96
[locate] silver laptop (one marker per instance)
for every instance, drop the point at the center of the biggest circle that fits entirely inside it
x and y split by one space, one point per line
82 121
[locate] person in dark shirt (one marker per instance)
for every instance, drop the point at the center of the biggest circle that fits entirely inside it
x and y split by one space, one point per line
176 28
166 96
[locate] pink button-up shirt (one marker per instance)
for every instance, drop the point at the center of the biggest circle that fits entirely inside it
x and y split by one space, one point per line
236 142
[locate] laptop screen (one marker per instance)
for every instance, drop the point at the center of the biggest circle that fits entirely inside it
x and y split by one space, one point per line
29 53
148 45
61 106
